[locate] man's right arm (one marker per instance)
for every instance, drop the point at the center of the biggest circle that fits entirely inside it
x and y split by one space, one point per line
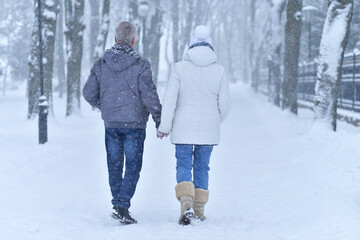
91 90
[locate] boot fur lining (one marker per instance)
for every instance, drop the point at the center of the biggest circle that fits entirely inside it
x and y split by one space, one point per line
185 188
201 195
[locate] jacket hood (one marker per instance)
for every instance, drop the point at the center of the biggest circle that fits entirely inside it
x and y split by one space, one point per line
201 56
120 57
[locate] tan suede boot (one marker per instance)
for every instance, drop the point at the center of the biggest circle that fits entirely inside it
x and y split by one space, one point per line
201 198
185 193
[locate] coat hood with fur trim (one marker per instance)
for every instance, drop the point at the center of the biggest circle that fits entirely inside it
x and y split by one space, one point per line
202 56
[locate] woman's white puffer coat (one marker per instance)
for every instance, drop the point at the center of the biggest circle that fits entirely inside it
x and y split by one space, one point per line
197 99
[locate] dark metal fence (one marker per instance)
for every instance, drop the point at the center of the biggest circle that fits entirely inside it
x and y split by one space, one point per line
349 91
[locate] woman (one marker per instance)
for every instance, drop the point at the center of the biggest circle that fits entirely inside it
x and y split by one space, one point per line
196 101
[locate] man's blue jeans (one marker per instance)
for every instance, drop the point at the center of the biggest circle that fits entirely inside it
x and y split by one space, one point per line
196 158
120 141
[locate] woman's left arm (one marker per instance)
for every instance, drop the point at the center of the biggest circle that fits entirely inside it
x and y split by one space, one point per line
170 102
224 99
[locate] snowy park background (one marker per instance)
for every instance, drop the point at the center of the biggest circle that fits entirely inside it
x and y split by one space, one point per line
275 175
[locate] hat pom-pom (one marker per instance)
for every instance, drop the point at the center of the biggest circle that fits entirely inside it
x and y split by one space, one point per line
202 32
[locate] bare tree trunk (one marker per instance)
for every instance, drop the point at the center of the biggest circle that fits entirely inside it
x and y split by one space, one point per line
104 30
34 72
200 6
175 11
134 17
186 25
59 43
182 13
94 25
252 43
292 50
332 50
50 12
74 14
152 32
275 72
229 29
275 55
244 48
167 58
155 36
5 79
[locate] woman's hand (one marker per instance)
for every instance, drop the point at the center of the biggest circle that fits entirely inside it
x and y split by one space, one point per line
160 134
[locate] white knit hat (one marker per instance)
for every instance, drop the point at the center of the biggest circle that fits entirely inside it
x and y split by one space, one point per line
201 34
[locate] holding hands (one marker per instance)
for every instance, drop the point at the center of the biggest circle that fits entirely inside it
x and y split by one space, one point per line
160 134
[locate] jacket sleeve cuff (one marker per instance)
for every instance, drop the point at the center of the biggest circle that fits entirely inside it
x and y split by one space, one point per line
157 124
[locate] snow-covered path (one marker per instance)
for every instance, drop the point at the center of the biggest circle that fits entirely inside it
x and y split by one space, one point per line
274 176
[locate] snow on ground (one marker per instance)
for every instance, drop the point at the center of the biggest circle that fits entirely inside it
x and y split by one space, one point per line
274 176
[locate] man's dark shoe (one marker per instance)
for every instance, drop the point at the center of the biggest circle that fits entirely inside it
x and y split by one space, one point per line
122 215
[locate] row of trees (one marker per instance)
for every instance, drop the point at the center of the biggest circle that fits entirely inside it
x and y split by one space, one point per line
15 29
248 35
62 19
326 32
67 21
64 27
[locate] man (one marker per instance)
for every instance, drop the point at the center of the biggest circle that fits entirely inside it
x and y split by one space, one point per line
120 85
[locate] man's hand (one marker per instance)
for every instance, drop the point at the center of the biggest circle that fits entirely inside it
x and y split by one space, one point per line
160 134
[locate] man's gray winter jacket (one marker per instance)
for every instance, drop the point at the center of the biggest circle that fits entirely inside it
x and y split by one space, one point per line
120 85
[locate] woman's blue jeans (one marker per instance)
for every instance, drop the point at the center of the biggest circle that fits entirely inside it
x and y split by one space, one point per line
194 158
